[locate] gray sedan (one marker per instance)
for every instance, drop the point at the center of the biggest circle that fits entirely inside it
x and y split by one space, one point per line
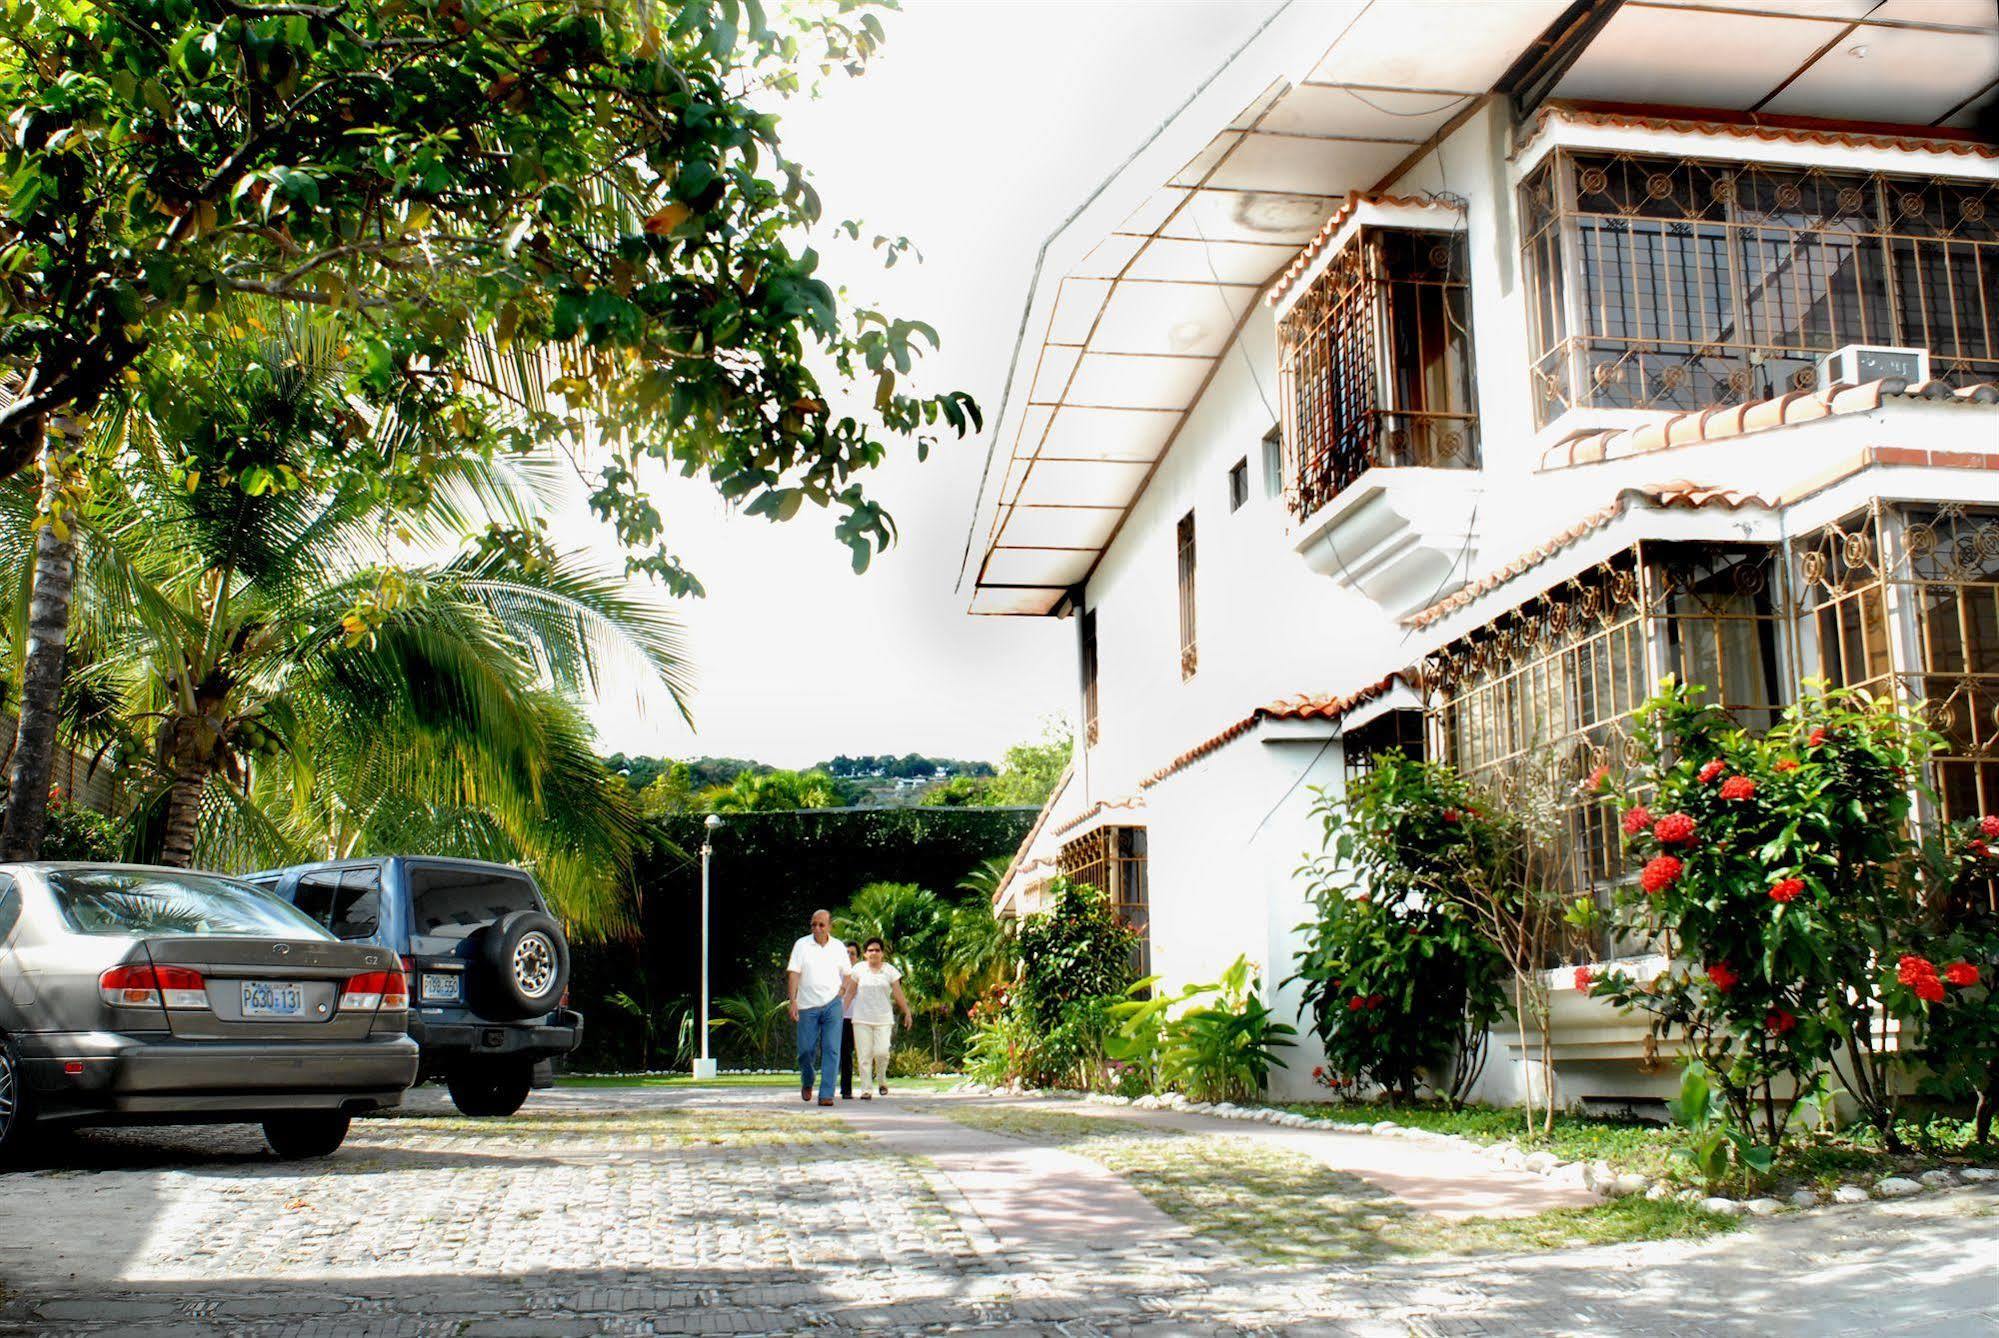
135 995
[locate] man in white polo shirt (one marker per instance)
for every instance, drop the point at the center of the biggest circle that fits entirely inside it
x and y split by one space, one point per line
817 974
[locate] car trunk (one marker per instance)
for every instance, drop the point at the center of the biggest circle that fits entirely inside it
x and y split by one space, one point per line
449 906
269 988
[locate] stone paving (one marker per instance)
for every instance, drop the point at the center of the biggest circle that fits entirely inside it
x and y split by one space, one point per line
626 1211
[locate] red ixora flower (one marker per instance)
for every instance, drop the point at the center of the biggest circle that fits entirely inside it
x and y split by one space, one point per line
1376 1000
1597 777
1723 977
1961 973
1450 815
1929 989
1636 819
1737 787
1660 874
1711 770
1910 968
1977 847
1674 829
1817 738
1583 978
1788 764
1355 1004
1989 825
1779 1021
1786 889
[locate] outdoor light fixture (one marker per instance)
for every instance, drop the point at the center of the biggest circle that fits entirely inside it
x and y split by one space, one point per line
704 1067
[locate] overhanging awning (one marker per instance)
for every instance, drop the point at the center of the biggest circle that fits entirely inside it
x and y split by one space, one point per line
1145 290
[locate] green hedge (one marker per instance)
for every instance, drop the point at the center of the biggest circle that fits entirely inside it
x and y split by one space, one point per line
769 872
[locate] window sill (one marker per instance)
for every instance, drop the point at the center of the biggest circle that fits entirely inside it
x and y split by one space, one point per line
1403 537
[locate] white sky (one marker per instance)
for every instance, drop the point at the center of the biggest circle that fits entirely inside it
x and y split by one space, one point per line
981 126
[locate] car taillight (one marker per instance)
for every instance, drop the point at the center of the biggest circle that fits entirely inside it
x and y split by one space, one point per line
375 989
153 986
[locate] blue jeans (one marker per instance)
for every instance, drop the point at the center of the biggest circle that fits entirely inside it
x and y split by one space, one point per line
819 1046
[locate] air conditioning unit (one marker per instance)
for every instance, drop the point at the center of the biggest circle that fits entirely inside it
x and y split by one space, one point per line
1857 364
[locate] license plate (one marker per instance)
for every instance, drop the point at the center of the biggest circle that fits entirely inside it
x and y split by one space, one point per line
441 988
272 998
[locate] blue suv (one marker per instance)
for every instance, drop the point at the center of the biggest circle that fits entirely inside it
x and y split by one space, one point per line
488 966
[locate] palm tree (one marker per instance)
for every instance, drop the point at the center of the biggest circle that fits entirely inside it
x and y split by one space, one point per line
761 1015
315 679
910 921
774 791
978 945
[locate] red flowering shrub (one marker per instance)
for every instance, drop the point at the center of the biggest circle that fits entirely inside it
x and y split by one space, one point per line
1636 819
1961 973
1674 829
1769 988
1660 873
1912 969
1584 976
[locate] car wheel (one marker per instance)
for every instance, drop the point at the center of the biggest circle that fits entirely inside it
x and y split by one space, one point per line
497 1088
307 1134
17 1115
526 961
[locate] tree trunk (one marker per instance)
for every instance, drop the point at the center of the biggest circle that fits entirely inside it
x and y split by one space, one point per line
27 813
183 814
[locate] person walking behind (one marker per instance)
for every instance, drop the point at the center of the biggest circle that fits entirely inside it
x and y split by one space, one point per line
817 977
847 1029
876 987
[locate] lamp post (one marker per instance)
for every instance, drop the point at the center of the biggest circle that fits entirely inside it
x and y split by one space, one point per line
704 1067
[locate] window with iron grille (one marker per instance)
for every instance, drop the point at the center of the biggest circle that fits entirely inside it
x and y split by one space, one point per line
1375 363
1238 484
1934 571
1088 637
1677 283
1531 704
1391 731
1113 860
1189 657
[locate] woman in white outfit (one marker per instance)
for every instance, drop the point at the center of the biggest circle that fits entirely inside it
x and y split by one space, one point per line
876 991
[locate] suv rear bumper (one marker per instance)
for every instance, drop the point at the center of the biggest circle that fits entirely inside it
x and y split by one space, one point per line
445 1043
135 1076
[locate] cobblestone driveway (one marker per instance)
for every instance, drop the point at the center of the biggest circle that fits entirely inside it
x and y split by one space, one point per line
643 1212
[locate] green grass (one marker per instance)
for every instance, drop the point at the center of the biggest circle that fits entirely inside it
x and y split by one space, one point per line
1276 1206
770 1080
1820 1159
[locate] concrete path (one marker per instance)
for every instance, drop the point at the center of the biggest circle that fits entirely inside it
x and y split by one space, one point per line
1023 1194
1437 1178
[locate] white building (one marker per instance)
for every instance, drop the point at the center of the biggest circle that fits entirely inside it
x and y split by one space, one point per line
1450 371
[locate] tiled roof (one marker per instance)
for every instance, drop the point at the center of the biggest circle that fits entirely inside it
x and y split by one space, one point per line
1680 494
1132 802
1770 129
1354 200
1300 707
1799 406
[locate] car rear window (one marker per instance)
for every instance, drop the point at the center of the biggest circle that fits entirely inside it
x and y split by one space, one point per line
453 902
157 904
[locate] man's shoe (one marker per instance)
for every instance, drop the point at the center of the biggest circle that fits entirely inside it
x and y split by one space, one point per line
825 1100
805 1092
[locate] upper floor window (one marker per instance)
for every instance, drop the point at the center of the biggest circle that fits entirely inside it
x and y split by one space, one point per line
1238 484
1375 361
1185 547
1088 653
1273 462
1672 283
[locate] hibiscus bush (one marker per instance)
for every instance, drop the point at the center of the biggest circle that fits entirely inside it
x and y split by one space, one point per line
1949 980
1402 985
1784 880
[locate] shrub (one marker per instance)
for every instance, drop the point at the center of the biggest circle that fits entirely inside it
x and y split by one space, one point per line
1074 951
1403 986
912 1061
1215 1042
1783 878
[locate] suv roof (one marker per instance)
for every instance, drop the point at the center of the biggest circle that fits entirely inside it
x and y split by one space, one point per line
384 859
